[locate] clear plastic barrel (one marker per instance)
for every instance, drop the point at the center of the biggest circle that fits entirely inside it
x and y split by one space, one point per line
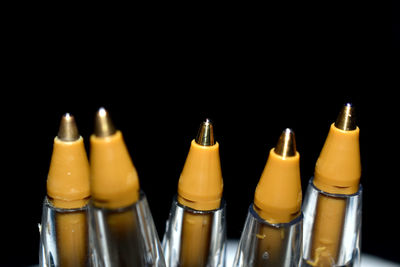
64 239
125 237
210 228
265 244
332 228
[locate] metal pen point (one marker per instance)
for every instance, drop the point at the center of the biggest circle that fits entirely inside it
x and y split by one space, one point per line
68 130
205 135
346 119
286 146
103 125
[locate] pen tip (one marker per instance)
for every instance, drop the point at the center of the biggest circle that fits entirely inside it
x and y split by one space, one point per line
103 125
205 136
346 119
68 130
286 146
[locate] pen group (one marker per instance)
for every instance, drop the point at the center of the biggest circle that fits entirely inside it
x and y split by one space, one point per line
96 214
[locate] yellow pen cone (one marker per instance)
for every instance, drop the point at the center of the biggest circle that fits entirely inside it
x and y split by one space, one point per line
114 180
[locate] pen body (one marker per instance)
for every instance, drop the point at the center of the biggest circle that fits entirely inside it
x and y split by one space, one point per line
196 231
265 244
332 227
125 236
64 237
195 238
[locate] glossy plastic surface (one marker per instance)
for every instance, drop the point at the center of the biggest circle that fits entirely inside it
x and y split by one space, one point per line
216 240
265 244
125 237
347 252
64 237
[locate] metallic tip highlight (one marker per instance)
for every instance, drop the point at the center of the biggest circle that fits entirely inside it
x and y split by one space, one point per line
286 146
205 136
103 125
68 130
346 119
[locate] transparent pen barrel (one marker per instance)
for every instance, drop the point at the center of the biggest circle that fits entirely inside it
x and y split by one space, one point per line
332 228
125 237
195 238
265 244
64 237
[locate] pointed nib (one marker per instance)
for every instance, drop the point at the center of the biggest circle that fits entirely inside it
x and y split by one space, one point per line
286 146
346 119
68 130
205 136
103 126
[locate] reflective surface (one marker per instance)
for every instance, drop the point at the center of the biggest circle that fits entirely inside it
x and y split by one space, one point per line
348 247
264 244
125 237
173 241
64 237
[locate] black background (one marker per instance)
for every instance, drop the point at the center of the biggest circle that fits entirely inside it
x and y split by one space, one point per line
253 73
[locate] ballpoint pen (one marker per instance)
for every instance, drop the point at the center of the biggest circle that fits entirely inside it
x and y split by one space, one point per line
332 206
272 232
121 226
64 228
195 232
